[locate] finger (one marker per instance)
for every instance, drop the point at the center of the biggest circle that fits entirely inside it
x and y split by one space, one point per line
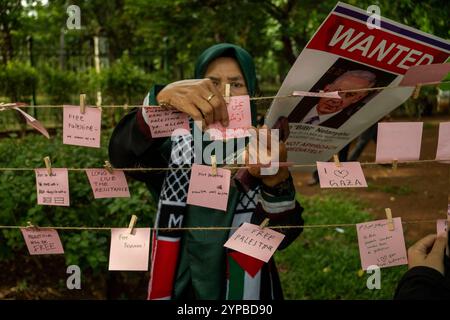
205 108
423 245
218 103
194 113
437 252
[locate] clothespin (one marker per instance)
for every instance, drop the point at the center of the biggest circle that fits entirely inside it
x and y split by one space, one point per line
417 91
390 221
227 92
48 165
6 106
125 106
30 225
394 164
108 166
83 103
336 160
264 223
213 165
132 224
99 100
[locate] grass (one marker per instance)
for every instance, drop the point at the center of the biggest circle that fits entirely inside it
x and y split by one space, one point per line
323 263
396 190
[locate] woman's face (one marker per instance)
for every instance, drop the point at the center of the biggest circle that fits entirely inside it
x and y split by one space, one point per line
225 70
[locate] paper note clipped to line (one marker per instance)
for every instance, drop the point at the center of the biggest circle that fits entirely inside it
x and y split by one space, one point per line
82 129
129 252
42 241
52 190
347 175
163 123
108 185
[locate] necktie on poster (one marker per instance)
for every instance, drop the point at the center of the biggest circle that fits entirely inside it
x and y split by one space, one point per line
344 54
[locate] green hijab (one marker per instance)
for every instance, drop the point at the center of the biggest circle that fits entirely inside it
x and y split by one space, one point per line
243 58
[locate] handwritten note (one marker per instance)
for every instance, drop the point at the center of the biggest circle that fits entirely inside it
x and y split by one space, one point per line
82 129
399 140
425 73
443 148
441 226
348 175
208 190
258 243
52 190
379 246
33 122
163 122
323 94
42 241
129 252
240 118
108 185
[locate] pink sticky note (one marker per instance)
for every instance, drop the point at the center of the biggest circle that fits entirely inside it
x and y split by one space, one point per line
208 190
399 141
348 175
108 185
380 246
129 252
240 118
163 122
82 129
323 94
441 226
258 243
443 148
42 241
33 122
52 190
425 73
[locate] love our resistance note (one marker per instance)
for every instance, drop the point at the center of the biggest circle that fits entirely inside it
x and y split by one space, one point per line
108 185
347 175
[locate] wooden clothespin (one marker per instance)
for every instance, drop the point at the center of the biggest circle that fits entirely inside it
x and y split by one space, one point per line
264 223
132 224
227 92
390 221
48 165
108 167
125 106
336 160
417 91
213 165
82 103
394 164
30 225
99 100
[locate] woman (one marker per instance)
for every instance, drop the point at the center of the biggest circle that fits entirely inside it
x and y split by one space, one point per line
194 264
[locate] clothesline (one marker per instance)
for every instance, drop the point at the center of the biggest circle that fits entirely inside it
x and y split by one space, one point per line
364 164
338 225
254 98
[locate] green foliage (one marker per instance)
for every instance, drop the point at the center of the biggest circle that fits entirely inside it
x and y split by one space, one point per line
58 84
17 80
88 249
323 263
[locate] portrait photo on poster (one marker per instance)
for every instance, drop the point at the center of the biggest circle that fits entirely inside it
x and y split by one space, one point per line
342 75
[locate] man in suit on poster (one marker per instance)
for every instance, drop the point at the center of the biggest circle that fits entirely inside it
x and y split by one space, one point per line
333 113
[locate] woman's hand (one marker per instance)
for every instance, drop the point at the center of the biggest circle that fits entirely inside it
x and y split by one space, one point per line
428 252
265 157
199 98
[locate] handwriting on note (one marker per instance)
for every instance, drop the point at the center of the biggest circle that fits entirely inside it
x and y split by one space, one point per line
42 241
163 122
82 129
258 243
398 141
52 190
33 122
129 252
108 185
348 175
208 190
240 119
443 148
379 246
